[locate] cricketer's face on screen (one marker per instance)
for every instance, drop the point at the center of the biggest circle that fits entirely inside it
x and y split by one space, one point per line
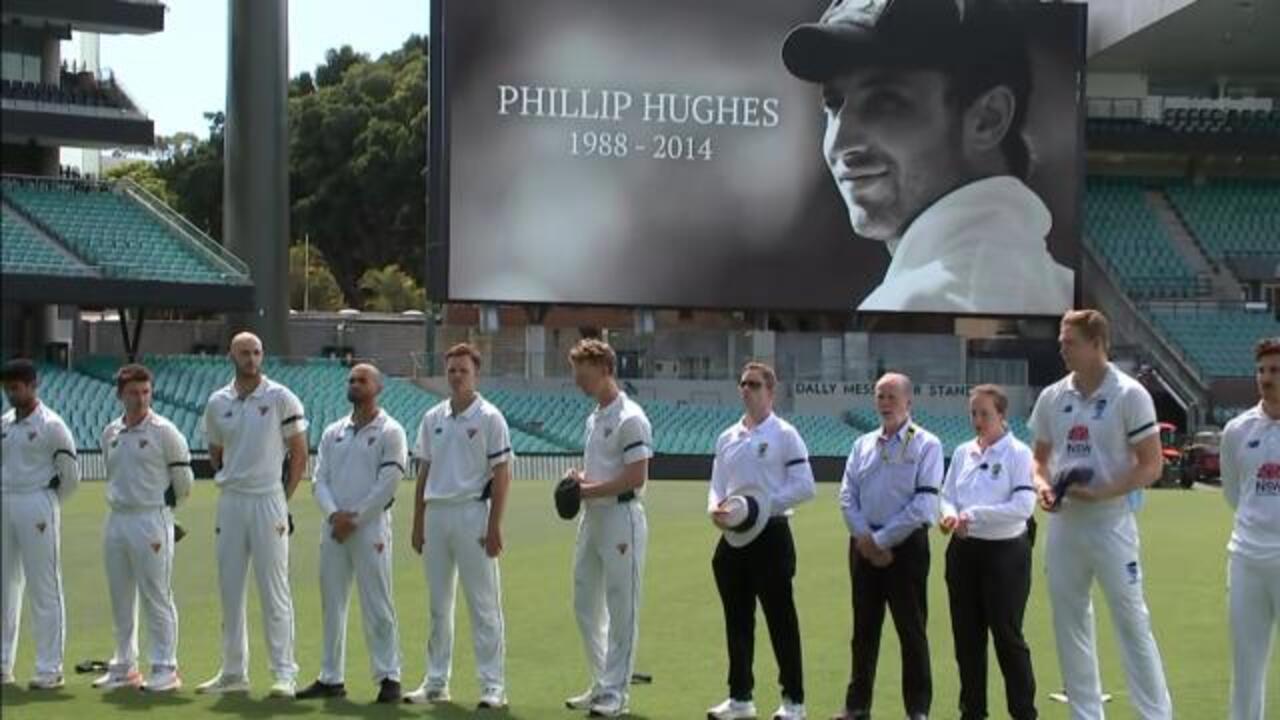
893 144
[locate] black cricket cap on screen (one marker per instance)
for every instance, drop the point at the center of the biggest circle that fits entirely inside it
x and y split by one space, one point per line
979 44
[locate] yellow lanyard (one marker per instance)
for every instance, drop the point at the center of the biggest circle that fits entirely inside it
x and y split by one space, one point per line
902 454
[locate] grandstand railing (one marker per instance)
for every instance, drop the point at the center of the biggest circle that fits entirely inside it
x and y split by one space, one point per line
183 227
1131 321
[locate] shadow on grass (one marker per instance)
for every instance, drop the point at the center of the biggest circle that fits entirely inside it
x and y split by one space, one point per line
132 700
17 695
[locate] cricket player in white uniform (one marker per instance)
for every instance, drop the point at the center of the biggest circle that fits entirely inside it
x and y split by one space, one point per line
1096 428
148 463
1251 485
251 425
361 460
38 472
464 473
608 562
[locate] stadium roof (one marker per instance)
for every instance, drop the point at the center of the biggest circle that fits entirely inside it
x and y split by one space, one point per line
1202 38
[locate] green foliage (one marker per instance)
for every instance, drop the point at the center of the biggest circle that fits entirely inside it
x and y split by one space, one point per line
311 283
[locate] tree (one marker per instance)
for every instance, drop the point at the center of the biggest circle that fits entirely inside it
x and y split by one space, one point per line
146 175
314 289
193 173
390 289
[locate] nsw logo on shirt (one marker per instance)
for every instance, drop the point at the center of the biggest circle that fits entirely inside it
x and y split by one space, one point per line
1078 444
1269 479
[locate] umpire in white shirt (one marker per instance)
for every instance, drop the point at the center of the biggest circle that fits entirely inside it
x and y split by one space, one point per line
148 469
362 458
252 424
889 498
760 458
987 499
464 475
38 472
1251 485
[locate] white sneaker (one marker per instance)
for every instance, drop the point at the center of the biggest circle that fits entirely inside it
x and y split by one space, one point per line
789 711
6 678
583 701
166 680
732 710
492 698
114 680
46 682
223 684
283 688
428 694
608 705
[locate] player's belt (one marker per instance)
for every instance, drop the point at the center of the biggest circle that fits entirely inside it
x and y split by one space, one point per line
626 497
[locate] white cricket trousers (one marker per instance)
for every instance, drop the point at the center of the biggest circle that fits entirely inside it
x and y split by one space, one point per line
30 552
137 548
255 527
366 557
608 569
455 535
1254 589
1084 546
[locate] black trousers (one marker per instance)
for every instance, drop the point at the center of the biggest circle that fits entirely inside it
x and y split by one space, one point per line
988 582
761 570
903 587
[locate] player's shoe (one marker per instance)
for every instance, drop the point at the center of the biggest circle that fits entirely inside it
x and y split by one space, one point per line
115 680
283 687
220 684
732 709
492 698
789 711
163 680
319 689
428 694
583 701
608 705
388 691
6 678
46 681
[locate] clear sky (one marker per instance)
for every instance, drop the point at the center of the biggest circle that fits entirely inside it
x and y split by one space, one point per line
179 74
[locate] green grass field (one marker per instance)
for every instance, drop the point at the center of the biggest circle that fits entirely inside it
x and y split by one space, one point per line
681 645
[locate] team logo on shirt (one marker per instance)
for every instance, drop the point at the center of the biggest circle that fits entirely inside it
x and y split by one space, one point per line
280 528
32 435
1069 409
142 444
372 440
995 471
1269 479
608 432
1099 407
379 547
622 548
155 547
471 433
41 526
764 448
439 430
115 443
262 410
1254 443
227 415
1078 441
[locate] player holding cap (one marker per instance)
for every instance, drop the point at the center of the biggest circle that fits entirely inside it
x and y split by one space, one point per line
360 461
608 561
756 557
251 425
987 499
464 474
1098 425
1251 485
889 498
38 472
148 466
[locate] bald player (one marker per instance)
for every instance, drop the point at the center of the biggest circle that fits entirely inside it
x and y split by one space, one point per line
252 425
38 472
361 459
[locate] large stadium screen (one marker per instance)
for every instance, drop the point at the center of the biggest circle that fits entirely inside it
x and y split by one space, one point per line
919 156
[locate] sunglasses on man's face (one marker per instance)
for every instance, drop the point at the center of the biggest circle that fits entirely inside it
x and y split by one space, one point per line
751 384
